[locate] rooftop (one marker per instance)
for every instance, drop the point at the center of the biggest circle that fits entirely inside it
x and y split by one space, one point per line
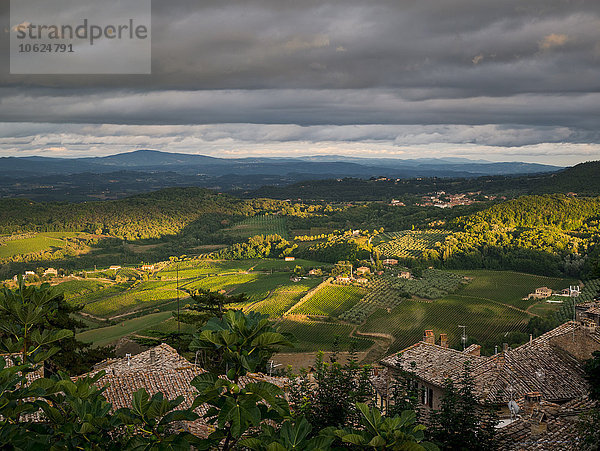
549 428
546 364
160 369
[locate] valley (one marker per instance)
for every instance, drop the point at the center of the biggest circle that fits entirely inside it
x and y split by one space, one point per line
365 276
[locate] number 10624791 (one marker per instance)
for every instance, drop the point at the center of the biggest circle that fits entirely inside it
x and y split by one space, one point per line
46 48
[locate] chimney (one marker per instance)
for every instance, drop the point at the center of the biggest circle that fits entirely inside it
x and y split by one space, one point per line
532 401
504 347
444 340
429 337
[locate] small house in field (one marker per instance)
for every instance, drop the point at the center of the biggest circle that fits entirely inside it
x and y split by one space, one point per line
404 275
315 272
362 280
541 293
147 267
115 267
29 274
51 272
390 261
290 259
342 279
363 270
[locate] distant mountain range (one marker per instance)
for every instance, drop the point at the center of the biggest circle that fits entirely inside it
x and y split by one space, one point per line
319 167
117 176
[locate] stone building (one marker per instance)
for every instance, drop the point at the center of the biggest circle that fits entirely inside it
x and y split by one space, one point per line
550 364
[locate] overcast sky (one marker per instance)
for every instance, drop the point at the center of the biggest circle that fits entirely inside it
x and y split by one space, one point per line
501 80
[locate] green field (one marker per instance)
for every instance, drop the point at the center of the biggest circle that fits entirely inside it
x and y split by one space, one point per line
260 287
490 305
544 308
201 267
143 295
319 336
106 335
41 242
232 277
258 225
508 287
104 293
225 282
282 265
284 297
330 300
408 321
409 243
76 290
167 326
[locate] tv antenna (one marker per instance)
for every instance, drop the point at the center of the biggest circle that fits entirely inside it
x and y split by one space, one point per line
463 338
513 407
272 365
574 292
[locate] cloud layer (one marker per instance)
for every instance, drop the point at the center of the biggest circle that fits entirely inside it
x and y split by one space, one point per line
499 80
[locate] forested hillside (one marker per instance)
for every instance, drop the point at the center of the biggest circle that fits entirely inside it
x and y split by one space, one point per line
550 234
165 212
556 211
583 178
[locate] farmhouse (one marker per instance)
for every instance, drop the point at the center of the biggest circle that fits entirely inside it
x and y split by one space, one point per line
147 267
390 261
115 267
51 272
541 293
550 364
404 275
363 270
27 275
343 279
361 280
290 259
397 203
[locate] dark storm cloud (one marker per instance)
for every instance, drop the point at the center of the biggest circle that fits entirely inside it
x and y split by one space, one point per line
522 65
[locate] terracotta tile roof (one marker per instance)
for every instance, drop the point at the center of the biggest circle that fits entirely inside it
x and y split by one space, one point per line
161 369
555 429
539 365
161 357
38 373
430 362
593 310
